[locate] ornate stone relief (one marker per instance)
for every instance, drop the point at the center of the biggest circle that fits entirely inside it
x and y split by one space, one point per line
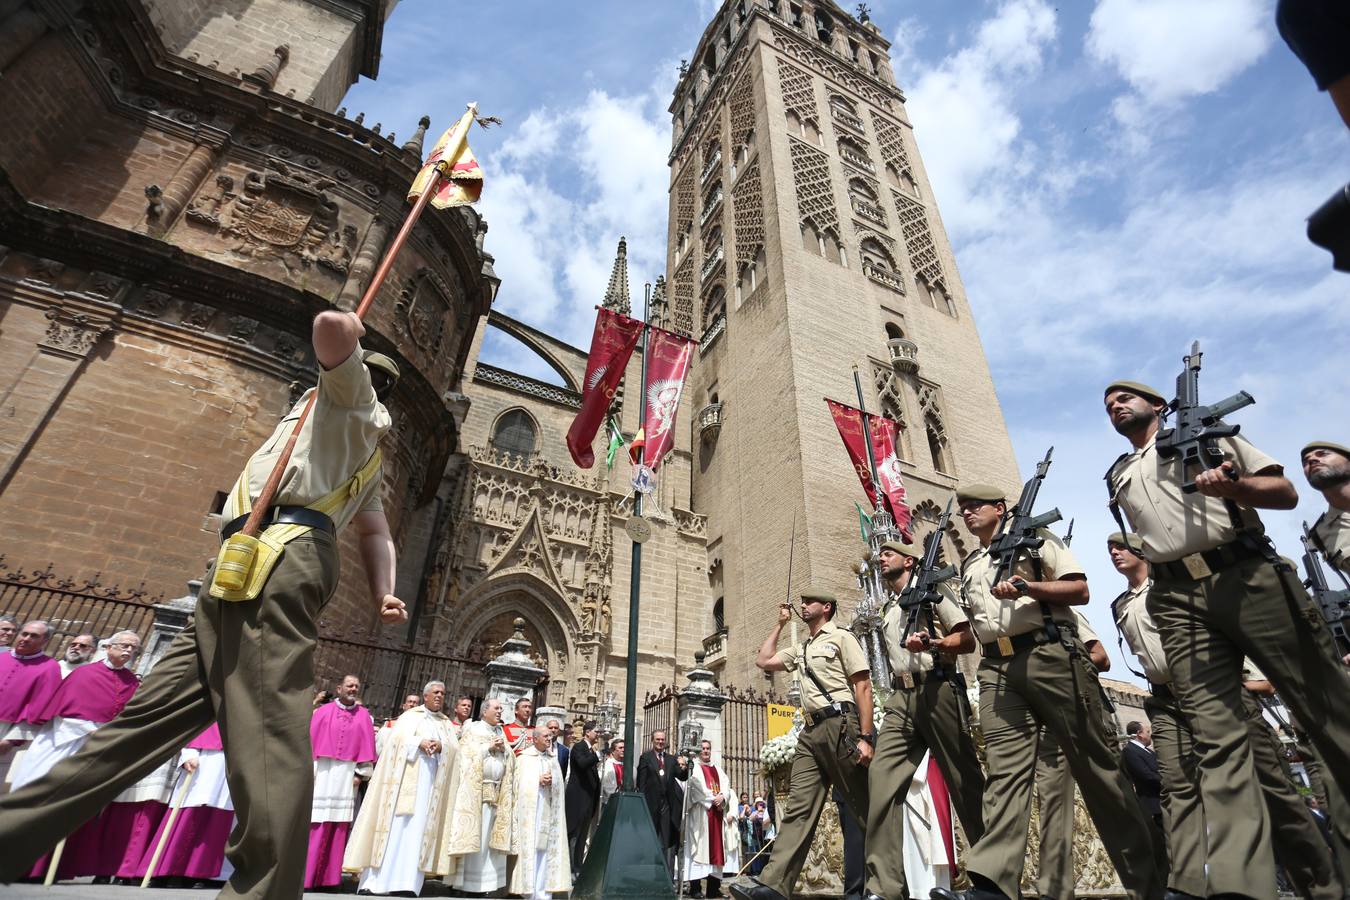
742 106
923 256
815 195
747 204
283 214
797 91
424 309
800 50
682 298
72 334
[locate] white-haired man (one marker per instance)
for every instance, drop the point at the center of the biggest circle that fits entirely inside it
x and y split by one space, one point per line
480 815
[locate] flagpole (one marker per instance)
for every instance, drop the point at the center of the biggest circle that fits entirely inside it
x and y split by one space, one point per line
867 436
635 573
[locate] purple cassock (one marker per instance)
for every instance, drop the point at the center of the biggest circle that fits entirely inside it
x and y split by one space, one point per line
26 684
344 742
93 693
196 846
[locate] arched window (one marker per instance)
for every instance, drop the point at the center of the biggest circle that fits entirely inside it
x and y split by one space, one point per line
811 131
937 446
515 433
719 616
714 305
831 247
907 183
875 255
843 103
894 332
861 190
712 241
794 124
824 27
811 239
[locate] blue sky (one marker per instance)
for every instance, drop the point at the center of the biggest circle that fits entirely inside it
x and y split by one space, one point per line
1118 177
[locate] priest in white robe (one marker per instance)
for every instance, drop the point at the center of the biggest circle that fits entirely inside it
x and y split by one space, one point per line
480 818
710 825
398 834
539 821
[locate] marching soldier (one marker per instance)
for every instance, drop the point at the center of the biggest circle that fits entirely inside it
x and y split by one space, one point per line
1220 592
925 712
836 746
1035 673
249 664
1327 468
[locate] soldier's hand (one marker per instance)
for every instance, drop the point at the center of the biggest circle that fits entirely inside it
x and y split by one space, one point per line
1005 590
1221 482
918 642
784 613
190 766
864 754
360 326
393 610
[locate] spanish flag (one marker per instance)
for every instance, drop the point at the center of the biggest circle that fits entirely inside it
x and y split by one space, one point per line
462 183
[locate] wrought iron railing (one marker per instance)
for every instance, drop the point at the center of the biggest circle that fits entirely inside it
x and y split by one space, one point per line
73 607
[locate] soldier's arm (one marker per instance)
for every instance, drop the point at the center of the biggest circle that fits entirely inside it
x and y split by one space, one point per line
1071 590
862 695
960 640
1266 489
1097 653
379 559
335 336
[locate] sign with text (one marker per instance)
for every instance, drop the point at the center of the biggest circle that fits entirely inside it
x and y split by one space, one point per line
779 717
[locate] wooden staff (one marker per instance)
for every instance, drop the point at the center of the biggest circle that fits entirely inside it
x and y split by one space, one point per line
168 827
454 148
56 861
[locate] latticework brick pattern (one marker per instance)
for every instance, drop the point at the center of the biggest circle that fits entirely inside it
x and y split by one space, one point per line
799 94
811 178
747 203
682 298
892 142
742 110
923 255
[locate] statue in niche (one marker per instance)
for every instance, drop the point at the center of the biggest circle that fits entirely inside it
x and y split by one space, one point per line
206 206
606 614
337 251
589 607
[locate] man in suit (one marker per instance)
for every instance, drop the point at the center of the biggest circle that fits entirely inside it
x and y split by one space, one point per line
657 774
583 792
560 750
1141 765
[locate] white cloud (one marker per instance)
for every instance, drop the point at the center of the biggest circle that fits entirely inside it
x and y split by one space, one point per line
964 111
1169 50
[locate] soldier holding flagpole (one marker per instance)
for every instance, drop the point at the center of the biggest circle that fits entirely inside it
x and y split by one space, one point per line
247 659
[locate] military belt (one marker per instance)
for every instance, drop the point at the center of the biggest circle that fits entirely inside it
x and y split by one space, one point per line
1162 692
285 515
1204 563
825 713
907 681
1004 647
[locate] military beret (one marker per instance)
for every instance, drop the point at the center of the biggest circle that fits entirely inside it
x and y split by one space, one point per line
910 550
380 361
981 492
819 597
1125 539
1135 387
1324 445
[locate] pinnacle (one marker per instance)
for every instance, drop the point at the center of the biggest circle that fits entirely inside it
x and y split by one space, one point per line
617 296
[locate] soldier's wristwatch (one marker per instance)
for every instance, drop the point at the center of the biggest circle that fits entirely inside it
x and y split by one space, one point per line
869 738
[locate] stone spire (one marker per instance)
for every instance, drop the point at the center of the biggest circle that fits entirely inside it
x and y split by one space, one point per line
616 295
414 144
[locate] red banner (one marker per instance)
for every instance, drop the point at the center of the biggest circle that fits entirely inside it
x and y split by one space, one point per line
668 356
885 439
612 344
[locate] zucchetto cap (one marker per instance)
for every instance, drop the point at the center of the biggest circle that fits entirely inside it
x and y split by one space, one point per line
986 492
1137 388
1324 445
910 550
1125 539
380 361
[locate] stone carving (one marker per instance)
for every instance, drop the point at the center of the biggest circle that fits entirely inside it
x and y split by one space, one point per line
815 195
889 394
72 335
799 94
282 214
606 615
682 298
892 141
748 215
684 200
828 65
742 105
423 309
923 256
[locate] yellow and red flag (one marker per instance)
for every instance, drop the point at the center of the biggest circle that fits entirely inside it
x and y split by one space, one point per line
462 178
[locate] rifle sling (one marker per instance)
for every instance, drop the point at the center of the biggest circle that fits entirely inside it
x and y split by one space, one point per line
829 698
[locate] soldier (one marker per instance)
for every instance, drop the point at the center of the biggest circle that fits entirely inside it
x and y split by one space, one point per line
1054 788
924 712
250 663
1327 468
1035 673
836 746
1220 592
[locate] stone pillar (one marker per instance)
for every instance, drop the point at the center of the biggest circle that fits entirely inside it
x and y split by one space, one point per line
166 204
543 713
699 705
367 258
413 146
171 617
513 674
19 29
265 76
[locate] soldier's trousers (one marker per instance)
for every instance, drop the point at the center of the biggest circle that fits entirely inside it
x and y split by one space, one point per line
1038 687
247 665
924 718
1054 787
823 760
1183 817
1207 626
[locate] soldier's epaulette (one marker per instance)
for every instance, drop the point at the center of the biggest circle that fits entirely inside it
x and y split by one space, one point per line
1119 597
966 559
1111 469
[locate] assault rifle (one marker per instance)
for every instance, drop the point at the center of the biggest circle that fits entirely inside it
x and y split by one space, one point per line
1193 437
1017 533
1335 604
921 593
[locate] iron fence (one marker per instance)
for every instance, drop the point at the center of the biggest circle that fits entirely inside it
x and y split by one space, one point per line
388 674
72 607
745 727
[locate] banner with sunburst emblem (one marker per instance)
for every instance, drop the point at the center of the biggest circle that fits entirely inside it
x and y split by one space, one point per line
668 357
611 345
885 436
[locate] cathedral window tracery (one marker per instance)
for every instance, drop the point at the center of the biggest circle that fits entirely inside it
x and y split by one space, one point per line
515 433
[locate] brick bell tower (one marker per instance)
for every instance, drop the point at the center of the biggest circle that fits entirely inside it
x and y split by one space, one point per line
805 241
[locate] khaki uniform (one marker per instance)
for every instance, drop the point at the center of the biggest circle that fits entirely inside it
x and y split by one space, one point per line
1054 791
1050 685
1332 531
825 751
923 714
1216 599
248 665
